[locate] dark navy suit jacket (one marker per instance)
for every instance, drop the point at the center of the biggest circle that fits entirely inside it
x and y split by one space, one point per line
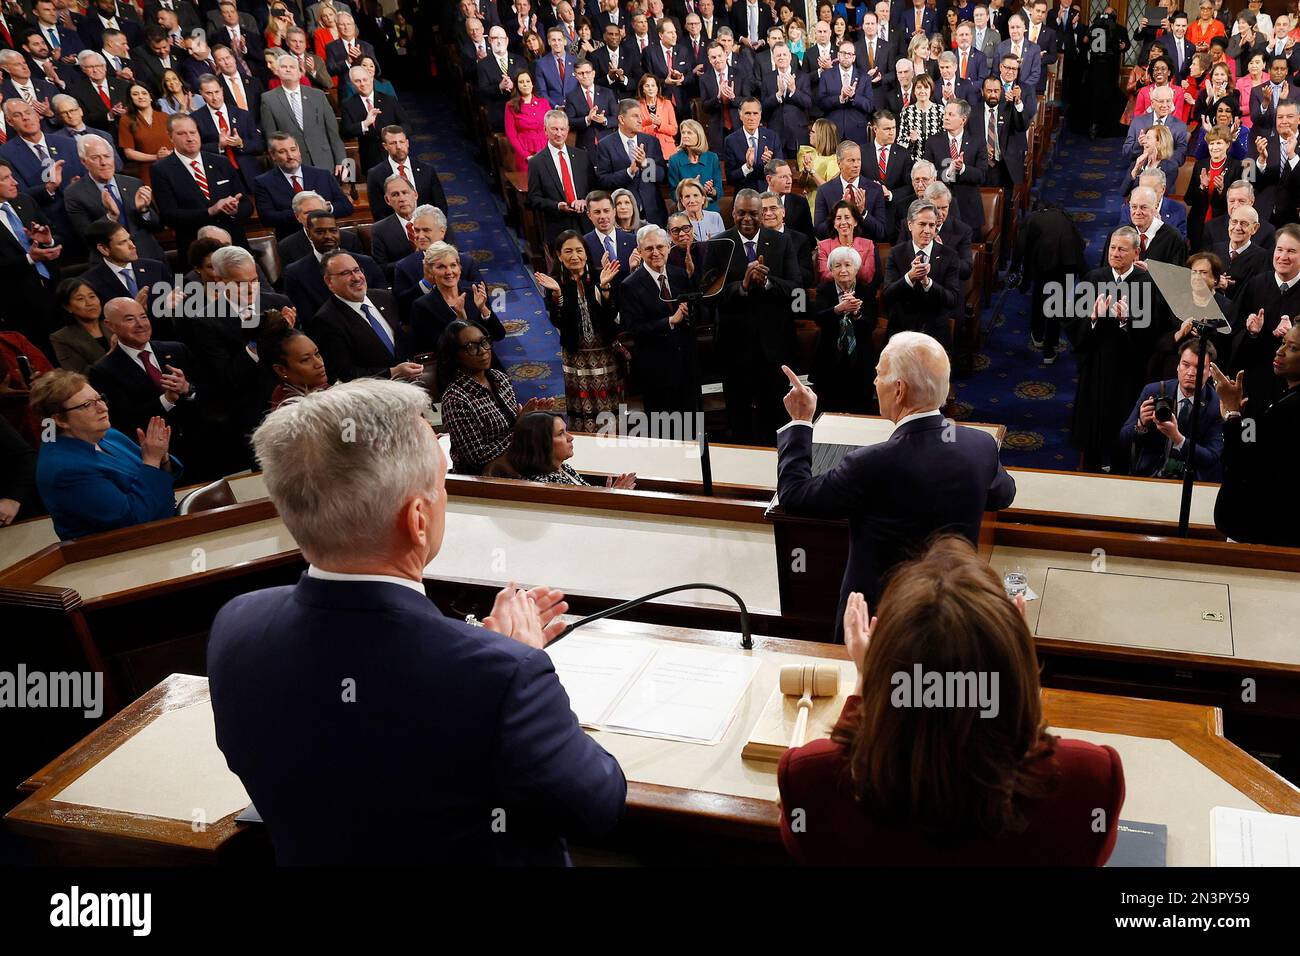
274 196
927 477
449 723
611 162
1149 448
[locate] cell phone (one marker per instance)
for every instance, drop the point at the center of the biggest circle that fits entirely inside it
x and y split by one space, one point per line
426 358
25 369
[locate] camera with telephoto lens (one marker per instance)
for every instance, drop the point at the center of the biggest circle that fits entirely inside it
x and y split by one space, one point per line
1164 409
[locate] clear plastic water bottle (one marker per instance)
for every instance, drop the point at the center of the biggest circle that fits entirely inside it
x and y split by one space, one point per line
1015 582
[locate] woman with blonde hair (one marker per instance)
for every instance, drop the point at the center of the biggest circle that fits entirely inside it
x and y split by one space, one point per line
978 781
817 162
627 213
690 200
327 24
694 160
1158 152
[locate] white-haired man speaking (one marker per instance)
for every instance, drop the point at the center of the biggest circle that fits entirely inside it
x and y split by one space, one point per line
930 476
348 701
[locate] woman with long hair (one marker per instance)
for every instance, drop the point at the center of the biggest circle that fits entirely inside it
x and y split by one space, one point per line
627 212
580 304
658 118
525 120
327 28
977 781
177 97
817 162
142 132
534 47
540 451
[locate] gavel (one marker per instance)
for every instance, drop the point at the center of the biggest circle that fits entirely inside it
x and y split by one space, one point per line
808 681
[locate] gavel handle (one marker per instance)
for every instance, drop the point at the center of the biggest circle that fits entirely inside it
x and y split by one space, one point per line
799 737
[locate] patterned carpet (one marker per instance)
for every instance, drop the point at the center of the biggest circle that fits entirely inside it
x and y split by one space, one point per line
1008 384
477 225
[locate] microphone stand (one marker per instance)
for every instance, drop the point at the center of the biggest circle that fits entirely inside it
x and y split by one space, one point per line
1189 459
746 641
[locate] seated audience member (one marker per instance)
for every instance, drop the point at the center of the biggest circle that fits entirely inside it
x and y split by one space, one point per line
1255 461
580 304
449 299
296 244
488 714
296 362
1158 436
478 402
705 224
846 316
304 283
274 190
989 785
18 498
540 451
398 162
92 477
409 282
845 222
83 340
357 328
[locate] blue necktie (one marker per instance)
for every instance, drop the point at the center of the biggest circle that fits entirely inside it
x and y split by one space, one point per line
378 327
609 249
131 285
751 252
121 210
21 235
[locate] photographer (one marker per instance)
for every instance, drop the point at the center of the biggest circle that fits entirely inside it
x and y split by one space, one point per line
1159 424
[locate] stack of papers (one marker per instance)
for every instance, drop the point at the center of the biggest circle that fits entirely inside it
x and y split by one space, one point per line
652 689
1253 838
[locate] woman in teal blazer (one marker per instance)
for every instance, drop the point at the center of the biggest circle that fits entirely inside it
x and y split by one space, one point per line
693 160
92 477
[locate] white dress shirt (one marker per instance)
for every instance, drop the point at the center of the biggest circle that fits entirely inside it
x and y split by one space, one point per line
315 572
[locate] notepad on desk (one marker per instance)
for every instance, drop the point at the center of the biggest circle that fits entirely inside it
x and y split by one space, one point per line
652 689
1253 838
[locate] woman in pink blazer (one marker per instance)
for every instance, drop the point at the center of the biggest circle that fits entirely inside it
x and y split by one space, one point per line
844 222
526 120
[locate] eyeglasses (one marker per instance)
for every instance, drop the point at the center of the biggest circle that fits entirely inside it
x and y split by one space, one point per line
347 273
102 402
678 230
477 347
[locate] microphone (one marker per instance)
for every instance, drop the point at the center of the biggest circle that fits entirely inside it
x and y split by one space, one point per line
746 641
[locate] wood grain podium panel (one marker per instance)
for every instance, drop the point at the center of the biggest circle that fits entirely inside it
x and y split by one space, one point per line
1177 766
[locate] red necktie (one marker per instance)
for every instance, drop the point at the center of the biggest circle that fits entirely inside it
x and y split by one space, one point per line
401 171
883 150
230 153
151 369
297 185
852 194
200 178
952 147
4 137
1143 237
559 63
9 40
591 104
907 98
103 95
410 234
570 195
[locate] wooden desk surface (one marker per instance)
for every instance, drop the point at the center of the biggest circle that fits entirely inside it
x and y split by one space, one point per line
1177 767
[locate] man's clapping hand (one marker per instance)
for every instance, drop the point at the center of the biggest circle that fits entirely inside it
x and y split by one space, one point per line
529 617
755 273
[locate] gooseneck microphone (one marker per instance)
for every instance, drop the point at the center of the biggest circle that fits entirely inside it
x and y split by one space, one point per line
746 641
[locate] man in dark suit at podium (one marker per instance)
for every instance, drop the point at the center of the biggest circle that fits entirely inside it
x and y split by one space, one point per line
431 716
930 476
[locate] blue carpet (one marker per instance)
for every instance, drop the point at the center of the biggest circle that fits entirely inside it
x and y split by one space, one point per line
531 351
1008 384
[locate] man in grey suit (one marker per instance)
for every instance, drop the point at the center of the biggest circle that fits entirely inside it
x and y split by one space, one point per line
106 195
304 114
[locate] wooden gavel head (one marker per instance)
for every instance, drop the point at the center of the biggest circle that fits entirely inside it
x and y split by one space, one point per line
816 680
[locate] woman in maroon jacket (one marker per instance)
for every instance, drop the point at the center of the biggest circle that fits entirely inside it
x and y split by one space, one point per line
913 778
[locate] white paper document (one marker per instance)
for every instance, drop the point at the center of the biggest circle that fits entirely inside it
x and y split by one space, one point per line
652 689
1253 838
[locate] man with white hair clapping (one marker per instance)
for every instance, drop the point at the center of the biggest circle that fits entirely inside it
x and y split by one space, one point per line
930 476
348 700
